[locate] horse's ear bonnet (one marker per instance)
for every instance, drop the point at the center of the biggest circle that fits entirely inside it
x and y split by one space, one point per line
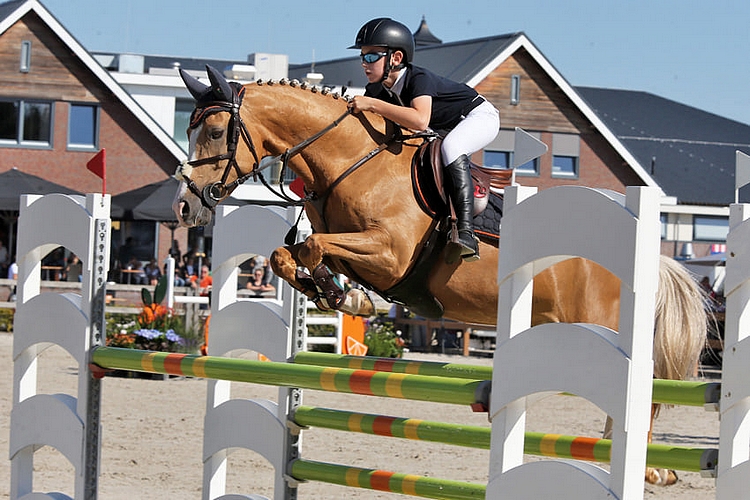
198 90
219 90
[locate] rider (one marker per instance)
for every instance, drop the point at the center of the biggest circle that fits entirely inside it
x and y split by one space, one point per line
416 98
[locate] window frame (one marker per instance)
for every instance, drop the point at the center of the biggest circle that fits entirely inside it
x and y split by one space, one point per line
183 108
21 111
565 174
515 90
24 65
71 146
709 238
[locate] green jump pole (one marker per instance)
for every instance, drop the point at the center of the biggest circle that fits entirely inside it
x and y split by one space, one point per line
365 382
381 480
432 368
535 443
676 392
381 425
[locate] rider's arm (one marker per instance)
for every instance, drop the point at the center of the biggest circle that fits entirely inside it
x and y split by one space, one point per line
416 116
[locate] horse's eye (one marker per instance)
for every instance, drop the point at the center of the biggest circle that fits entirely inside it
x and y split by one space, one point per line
216 133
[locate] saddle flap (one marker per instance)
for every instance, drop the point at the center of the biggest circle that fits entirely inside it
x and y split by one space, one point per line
429 187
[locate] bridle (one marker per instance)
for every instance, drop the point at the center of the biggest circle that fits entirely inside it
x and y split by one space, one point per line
213 193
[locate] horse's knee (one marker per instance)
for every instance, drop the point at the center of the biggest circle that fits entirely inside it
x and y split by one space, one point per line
283 263
311 252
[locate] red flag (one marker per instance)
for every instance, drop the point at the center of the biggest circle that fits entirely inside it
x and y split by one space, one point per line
98 165
297 187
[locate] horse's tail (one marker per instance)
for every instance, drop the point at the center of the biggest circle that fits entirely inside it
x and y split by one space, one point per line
680 323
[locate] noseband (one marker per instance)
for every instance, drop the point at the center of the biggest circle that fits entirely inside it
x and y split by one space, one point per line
213 193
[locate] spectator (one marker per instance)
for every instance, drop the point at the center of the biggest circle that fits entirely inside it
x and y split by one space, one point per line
13 275
152 271
256 284
133 273
74 269
203 284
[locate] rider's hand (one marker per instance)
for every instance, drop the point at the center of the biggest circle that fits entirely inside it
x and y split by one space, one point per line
360 103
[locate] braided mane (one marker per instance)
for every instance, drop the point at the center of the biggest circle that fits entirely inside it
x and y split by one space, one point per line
304 86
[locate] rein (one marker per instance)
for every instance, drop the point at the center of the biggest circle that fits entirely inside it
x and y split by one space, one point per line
213 193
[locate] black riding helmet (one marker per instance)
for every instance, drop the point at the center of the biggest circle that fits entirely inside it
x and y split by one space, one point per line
385 32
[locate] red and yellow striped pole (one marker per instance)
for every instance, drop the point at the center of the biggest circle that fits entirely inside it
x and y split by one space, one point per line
535 443
381 480
676 392
365 382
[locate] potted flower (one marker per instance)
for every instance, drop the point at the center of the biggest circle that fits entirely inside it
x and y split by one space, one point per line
156 323
153 329
383 341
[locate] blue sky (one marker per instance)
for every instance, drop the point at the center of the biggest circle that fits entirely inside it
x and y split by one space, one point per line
693 52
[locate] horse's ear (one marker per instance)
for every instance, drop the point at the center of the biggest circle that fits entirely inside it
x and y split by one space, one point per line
219 84
196 88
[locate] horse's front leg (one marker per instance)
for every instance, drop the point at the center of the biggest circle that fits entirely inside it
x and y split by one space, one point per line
285 263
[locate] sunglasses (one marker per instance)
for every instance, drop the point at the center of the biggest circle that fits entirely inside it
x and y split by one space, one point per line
372 57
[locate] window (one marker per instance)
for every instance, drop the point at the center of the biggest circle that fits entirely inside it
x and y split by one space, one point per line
25 65
707 228
497 159
664 221
565 152
529 168
26 123
504 159
515 89
564 166
182 110
83 127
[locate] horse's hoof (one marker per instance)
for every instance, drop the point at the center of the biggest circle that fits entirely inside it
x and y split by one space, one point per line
661 477
358 303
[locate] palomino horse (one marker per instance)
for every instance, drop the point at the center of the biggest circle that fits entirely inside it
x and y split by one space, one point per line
368 225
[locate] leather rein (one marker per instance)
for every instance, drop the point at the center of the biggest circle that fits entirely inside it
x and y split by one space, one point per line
212 194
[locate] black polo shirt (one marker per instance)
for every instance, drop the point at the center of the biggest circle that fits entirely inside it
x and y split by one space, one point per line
449 98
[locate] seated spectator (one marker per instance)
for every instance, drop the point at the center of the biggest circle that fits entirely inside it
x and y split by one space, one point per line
153 273
133 274
256 284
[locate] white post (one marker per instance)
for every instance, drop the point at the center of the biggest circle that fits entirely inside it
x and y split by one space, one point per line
170 282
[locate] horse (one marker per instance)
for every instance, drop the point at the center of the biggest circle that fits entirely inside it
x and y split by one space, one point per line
369 226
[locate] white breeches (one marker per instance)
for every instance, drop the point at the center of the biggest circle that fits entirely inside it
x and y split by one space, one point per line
479 128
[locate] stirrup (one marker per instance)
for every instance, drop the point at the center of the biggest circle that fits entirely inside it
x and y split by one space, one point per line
469 245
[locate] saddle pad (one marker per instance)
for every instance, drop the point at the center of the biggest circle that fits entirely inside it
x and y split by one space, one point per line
487 223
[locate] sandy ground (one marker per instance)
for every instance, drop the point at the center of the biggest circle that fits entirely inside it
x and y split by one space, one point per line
152 438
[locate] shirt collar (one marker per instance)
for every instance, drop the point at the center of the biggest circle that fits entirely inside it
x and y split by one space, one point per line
399 85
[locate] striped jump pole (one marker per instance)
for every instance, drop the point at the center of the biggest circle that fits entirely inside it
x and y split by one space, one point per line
474 393
431 368
374 479
535 443
674 392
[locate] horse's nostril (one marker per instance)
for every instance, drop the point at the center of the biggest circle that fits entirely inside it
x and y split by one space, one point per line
184 209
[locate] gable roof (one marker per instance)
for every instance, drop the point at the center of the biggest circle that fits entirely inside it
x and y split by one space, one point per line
689 152
470 61
12 12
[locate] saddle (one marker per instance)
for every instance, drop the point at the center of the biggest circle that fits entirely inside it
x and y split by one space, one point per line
427 183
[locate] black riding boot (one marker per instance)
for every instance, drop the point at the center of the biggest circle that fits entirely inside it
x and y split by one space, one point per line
461 190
